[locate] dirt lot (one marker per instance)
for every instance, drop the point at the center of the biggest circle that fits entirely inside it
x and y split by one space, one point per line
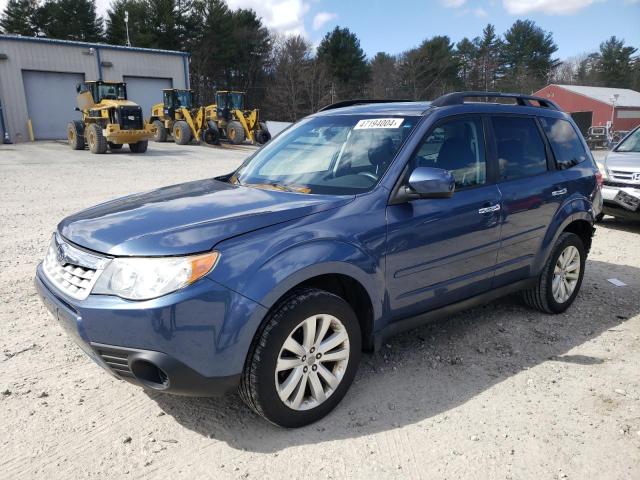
496 392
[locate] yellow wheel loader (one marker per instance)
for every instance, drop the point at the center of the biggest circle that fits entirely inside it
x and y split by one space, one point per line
109 120
176 116
234 122
226 119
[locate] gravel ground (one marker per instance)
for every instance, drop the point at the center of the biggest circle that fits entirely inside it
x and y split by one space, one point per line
499 391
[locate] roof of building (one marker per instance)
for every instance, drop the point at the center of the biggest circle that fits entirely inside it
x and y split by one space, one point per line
626 97
105 46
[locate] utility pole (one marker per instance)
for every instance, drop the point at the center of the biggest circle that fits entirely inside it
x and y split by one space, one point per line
126 23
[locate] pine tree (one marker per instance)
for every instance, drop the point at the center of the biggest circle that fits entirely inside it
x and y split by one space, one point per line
70 20
615 66
346 62
18 18
139 29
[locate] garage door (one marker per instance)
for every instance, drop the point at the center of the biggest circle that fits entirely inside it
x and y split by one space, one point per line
146 91
51 99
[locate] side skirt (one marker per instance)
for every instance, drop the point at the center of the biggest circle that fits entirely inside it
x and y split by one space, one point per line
420 320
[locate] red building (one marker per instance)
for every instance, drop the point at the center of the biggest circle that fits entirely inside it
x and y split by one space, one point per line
597 106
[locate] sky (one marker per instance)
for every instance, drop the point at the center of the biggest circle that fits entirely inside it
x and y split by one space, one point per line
578 26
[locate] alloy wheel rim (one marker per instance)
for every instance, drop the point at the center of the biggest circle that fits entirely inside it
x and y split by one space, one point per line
566 274
312 362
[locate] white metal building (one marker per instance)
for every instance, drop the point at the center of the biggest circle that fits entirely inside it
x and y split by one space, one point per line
38 78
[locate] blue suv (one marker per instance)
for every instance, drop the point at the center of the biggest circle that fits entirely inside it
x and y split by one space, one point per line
360 221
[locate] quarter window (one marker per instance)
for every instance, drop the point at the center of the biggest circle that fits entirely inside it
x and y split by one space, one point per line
521 151
457 146
566 145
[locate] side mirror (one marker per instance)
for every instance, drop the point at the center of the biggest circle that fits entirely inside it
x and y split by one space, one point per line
427 182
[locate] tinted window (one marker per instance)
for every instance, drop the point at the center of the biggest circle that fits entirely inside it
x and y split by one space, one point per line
566 146
457 146
521 151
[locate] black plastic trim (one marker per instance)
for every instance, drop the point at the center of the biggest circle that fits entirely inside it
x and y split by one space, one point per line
182 380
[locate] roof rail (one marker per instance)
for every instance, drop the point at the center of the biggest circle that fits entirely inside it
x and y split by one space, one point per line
361 101
457 98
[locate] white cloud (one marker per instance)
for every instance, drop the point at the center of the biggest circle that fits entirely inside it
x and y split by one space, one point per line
550 7
283 16
322 18
480 12
453 3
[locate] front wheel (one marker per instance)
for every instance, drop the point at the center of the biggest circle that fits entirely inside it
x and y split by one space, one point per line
561 277
303 359
160 134
139 147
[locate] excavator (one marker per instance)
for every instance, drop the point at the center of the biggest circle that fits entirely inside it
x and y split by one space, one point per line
225 120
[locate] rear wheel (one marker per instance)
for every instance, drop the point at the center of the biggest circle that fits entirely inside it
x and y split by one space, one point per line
181 133
211 135
303 359
263 135
75 135
235 132
161 132
139 147
96 141
561 278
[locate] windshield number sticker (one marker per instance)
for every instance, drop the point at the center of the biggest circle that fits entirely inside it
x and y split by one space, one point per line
379 123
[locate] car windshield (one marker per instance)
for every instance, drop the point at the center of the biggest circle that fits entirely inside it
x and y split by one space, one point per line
236 101
112 92
631 143
184 98
328 154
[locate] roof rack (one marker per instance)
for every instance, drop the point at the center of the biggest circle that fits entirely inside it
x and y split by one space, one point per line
361 101
457 98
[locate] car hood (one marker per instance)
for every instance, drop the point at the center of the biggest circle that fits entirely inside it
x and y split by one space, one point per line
187 218
625 160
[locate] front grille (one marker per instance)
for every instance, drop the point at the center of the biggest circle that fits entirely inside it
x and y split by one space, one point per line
623 175
611 183
71 270
130 118
116 359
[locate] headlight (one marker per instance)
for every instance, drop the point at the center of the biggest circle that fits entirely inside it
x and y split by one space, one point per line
603 169
146 278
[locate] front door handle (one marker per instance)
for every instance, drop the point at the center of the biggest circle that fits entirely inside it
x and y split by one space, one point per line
492 208
557 193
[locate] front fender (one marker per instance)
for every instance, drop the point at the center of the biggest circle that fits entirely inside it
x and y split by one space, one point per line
301 262
573 209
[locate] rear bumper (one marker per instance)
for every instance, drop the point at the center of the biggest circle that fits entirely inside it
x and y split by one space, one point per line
191 342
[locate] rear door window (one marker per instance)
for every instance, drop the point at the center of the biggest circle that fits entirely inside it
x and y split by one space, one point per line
565 143
521 150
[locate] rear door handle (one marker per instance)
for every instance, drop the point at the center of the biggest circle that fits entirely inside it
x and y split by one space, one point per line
557 193
492 208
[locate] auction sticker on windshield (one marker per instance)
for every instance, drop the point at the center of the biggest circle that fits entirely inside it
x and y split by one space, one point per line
379 123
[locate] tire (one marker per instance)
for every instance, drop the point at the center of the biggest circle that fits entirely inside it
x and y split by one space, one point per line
161 132
75 135
115 146
235 132
96 141
211 135
541 296
263 135
258 384
181 132
139 147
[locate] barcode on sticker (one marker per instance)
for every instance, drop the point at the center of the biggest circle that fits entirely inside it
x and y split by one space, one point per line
379 123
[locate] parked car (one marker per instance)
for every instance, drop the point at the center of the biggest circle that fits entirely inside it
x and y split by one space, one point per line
358 222
621 172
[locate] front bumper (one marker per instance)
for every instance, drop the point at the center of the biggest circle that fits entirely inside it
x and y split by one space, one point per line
613 205
198 338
